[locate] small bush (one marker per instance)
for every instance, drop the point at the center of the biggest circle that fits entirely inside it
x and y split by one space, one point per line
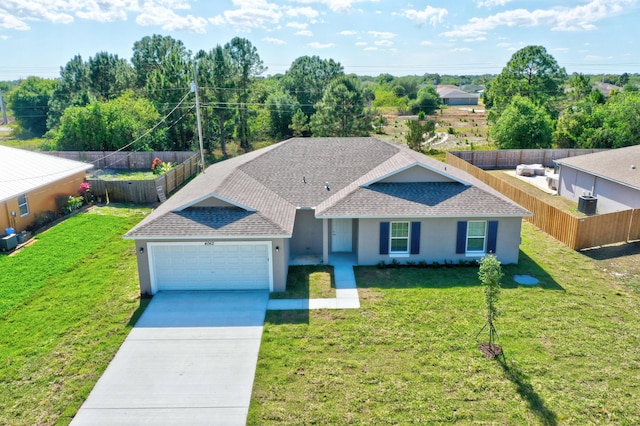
42 219
382 265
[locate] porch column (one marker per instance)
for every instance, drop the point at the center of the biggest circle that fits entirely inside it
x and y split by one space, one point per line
325 241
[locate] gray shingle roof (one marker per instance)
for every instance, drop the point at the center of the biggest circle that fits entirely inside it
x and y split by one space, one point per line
620 165
213 222
447 199
275 181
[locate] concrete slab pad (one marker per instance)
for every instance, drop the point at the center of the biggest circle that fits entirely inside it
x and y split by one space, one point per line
190 359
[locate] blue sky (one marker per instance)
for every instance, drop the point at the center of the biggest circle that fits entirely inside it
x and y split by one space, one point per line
367 37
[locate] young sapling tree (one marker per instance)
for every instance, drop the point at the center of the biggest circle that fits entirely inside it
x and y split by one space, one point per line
490 274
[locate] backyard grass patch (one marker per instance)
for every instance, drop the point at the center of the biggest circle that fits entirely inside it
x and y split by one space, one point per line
409 355
67 303
304 282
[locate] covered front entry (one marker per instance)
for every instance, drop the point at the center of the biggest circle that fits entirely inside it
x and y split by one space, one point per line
211 266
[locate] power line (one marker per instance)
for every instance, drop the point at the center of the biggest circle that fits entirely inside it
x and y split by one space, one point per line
112 153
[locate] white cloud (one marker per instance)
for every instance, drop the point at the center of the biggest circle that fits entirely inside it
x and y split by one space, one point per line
274 40
382 35
347 33
14 14
167 19
426 43
578 18
12 22
297 25
383 43
252 14
461 49
560 49
307 12
338 6
305 33
316 45
430 15
361 43
371 48
4 37
474 39
491 3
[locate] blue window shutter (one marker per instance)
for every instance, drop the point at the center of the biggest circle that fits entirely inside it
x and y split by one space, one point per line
461 239
492 237
415 238
384 237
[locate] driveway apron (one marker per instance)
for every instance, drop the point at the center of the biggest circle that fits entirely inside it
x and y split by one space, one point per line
190 359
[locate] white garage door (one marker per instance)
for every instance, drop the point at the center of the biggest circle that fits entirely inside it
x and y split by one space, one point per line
210 266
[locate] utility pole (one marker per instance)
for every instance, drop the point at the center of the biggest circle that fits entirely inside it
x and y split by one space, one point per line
4 113
194 88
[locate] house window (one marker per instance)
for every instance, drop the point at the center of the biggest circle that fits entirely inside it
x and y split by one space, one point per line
23 205
399 237
476 236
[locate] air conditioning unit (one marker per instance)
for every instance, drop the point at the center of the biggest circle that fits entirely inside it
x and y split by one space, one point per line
587 204
8 242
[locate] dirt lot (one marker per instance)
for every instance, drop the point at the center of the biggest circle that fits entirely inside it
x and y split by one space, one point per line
457 127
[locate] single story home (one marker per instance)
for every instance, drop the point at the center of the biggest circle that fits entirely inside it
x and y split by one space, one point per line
31 181
451 95
242 222
607 88
612 177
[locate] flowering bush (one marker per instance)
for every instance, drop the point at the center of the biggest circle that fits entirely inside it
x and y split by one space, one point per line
156 166
84 187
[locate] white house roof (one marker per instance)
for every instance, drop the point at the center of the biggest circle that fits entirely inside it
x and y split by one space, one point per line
23 171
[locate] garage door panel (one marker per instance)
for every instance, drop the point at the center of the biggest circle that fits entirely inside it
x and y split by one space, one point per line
224 266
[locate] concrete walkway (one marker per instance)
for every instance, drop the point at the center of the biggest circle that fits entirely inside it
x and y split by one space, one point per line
346 291
190 360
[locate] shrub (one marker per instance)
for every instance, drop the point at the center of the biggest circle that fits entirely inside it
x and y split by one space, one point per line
42 219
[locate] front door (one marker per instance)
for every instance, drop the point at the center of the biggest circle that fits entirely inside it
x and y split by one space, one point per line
341 235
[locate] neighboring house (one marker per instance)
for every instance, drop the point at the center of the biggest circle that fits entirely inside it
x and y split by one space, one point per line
612 176
607 88
244 220
451 95
30 183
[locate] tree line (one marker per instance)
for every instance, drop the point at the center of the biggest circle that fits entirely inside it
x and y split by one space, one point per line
147 103
533 103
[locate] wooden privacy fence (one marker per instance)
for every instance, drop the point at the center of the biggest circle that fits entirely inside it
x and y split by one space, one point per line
123 159
136 191
576 232
510 158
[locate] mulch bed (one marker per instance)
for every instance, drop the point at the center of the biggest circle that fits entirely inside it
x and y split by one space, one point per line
490 350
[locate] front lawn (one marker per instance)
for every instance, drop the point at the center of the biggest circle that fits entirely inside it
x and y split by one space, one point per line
66 304
409 354
304 282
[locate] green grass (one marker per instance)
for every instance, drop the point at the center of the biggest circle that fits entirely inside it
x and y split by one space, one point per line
305 282
123 174
409 354
66 304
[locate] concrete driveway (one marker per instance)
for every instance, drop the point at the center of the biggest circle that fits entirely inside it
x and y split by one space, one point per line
190 359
